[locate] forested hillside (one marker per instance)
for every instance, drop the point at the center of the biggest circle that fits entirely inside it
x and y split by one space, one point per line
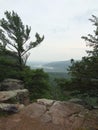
58 66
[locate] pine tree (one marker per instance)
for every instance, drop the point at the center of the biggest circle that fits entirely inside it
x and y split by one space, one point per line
15 37
85 72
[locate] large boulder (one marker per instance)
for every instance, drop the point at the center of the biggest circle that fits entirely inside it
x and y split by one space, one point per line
67 114
11 84
61 111
15 96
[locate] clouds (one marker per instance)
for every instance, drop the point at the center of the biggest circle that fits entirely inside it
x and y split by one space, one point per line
63 22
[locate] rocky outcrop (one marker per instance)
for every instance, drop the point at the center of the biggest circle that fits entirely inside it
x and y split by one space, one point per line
11 84
44 114
15 96
68 115
52 115
12 101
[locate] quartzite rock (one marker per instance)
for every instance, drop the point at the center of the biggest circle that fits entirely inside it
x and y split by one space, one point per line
15 96
11 84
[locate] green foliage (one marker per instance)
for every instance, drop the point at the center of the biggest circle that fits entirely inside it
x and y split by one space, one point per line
36 81
8 65
65 88
14 48
14 36
55 91
84 73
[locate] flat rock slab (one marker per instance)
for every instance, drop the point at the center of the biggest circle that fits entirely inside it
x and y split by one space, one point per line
11 84
15 96
59 116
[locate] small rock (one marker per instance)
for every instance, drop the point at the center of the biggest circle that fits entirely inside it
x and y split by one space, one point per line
45 101
10 108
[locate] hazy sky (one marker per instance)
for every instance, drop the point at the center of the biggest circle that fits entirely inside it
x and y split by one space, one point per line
62 22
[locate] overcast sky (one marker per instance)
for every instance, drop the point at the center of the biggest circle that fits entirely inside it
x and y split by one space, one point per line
62 22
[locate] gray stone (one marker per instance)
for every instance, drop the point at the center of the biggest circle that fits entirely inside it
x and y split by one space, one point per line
11 84
44 101
61 115
15 96
10 108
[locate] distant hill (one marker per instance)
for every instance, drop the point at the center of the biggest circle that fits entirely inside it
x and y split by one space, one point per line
58 66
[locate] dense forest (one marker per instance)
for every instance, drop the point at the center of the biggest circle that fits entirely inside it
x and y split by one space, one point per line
15 45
